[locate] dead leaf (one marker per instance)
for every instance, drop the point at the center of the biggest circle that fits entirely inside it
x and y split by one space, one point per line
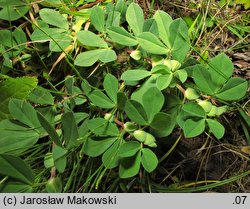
246 150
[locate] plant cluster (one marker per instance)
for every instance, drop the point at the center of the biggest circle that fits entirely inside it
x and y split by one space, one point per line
149 87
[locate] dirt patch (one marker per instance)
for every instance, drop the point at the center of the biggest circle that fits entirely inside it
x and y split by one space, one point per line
206 159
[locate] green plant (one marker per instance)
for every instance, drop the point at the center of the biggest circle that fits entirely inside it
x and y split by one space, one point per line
119 118
244 2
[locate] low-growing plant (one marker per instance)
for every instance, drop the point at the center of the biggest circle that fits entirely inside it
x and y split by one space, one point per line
148 88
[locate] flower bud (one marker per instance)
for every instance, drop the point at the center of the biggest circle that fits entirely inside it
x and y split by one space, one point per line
191 94
136 55
130 126
54 185
140 135
157 60
152 144
109 117
172 64
221 110
146 138
206 105
213 111
150 140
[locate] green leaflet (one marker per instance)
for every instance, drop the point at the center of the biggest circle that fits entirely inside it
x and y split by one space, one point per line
163 124
193 128
129 149
130 166
161 121
110 158
16 169
220 68
161 69
47 34
69 127
41 96
181 75
16 138
54 18
216 128
149 160
15 186
163 81
150 26
192 119
97 18
14 42
121 36
88 38
100 99
88 58
138 94
179 39
94 148
193 109
59 39
135 75
18 88
135 18
48 160
13 10
110 85
163 21
49 129
59 157
203 80
136 112
234 89
121 100
25 113
54 185
60 42
102 127
113 19
150 43
152 101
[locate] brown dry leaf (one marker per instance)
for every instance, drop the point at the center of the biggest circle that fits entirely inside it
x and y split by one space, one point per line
242 64
62 55
246 150
36 8
242 56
